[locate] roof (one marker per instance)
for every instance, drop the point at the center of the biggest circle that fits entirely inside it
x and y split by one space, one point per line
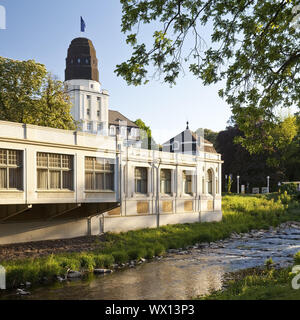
81 62
208 146
115 116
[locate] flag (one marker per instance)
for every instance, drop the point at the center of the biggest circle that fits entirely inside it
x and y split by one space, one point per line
82 25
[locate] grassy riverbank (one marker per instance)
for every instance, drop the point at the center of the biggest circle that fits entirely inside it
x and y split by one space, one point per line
240 214
260 284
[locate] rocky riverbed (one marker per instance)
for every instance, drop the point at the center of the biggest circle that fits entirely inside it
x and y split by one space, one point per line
182 273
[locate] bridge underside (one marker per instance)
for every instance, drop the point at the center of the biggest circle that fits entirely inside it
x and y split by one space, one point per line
50 212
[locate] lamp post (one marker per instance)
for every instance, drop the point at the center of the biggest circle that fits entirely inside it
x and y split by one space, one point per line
238 184
226 186
268 183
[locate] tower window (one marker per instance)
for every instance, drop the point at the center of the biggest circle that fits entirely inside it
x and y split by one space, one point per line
89 126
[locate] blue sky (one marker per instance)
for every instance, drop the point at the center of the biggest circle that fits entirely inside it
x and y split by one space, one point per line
43 30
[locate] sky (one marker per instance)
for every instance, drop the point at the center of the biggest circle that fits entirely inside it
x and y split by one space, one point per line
43 30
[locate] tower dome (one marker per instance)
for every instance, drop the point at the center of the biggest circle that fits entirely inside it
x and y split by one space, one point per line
81 62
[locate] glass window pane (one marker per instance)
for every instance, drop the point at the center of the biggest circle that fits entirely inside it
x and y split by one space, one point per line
15 178
100 181
67 161
89 181
42 159
68 180
54 160
89 163
109 181
3 178
55 180
42 179
3 156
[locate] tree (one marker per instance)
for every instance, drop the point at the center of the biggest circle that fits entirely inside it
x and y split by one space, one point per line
254 46
29 94
145 135
211 136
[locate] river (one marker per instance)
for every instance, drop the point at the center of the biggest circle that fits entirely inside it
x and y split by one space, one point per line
181 274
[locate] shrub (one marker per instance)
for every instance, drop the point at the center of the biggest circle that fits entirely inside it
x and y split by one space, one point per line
150 253
137 253
159 249
103 260
290 188
120 256
87 261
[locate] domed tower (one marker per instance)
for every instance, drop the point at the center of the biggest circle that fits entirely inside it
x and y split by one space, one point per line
90 102
81 62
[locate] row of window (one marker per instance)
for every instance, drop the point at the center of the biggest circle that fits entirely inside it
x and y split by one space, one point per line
89 106
113 130
89 126
141 181
55 171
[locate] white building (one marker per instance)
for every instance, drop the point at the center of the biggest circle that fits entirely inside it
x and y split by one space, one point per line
61 184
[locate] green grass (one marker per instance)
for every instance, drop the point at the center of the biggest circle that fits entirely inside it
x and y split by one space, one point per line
257 284
240 214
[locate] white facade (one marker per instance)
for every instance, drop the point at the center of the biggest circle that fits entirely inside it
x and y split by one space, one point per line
24 214
90 105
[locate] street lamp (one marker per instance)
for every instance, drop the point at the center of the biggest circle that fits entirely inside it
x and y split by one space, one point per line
238 184
268 183
226 185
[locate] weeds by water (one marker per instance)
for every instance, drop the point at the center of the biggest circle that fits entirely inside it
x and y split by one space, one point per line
259 284
240 214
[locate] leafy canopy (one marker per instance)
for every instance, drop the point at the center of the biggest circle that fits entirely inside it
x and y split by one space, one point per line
254 47
29 94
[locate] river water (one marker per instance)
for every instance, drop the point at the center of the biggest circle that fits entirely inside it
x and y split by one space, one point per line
181 274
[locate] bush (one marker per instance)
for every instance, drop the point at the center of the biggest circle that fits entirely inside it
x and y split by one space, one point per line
87 262
137 253
120 256
150 253
159 249
103 260
290 188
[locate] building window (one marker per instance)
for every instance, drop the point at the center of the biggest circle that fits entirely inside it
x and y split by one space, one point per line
165 181
140 180
99 174
187 182
54 171
89 126
209 181
112 130
92 86
88 112
98 113
11 169
78 60
99 127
